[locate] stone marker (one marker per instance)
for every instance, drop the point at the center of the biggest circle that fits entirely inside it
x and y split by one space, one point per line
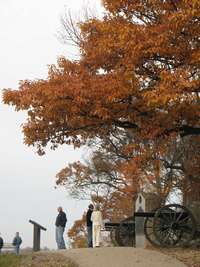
145 202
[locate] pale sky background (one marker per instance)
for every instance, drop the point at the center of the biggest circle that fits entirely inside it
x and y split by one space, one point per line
28 43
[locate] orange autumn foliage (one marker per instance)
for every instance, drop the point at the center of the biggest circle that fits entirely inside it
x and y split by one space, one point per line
138 73
78 233
138 70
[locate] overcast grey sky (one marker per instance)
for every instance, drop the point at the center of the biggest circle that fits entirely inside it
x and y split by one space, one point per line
28 44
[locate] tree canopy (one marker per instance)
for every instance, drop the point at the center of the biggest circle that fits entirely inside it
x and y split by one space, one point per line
138 70
135 88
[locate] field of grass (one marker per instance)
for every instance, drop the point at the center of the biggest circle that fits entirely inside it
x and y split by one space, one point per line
35 260
9 260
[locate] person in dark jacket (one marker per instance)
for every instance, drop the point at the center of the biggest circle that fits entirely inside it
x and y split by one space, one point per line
1 243
17 243
61 220
89 225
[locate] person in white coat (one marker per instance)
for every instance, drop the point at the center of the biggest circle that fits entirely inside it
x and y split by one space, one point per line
97 224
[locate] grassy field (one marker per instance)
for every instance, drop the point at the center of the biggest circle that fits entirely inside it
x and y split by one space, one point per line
35 260
9 260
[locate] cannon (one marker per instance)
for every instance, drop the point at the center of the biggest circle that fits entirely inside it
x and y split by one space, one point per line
122 233
172 225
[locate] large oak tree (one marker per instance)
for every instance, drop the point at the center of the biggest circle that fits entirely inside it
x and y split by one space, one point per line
138 70
138 74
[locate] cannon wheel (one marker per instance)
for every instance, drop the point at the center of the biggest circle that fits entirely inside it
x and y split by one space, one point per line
149 231
125 233
174 225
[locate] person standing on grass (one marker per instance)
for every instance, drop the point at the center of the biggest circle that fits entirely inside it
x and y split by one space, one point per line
97 224
61 221
17 243
89 225
1 243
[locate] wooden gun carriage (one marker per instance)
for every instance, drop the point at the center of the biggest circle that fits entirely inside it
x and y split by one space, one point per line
172 225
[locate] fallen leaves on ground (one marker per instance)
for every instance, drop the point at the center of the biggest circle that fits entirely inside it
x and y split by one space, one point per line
191 257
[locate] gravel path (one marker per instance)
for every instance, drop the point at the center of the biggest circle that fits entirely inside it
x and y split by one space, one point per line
120 257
